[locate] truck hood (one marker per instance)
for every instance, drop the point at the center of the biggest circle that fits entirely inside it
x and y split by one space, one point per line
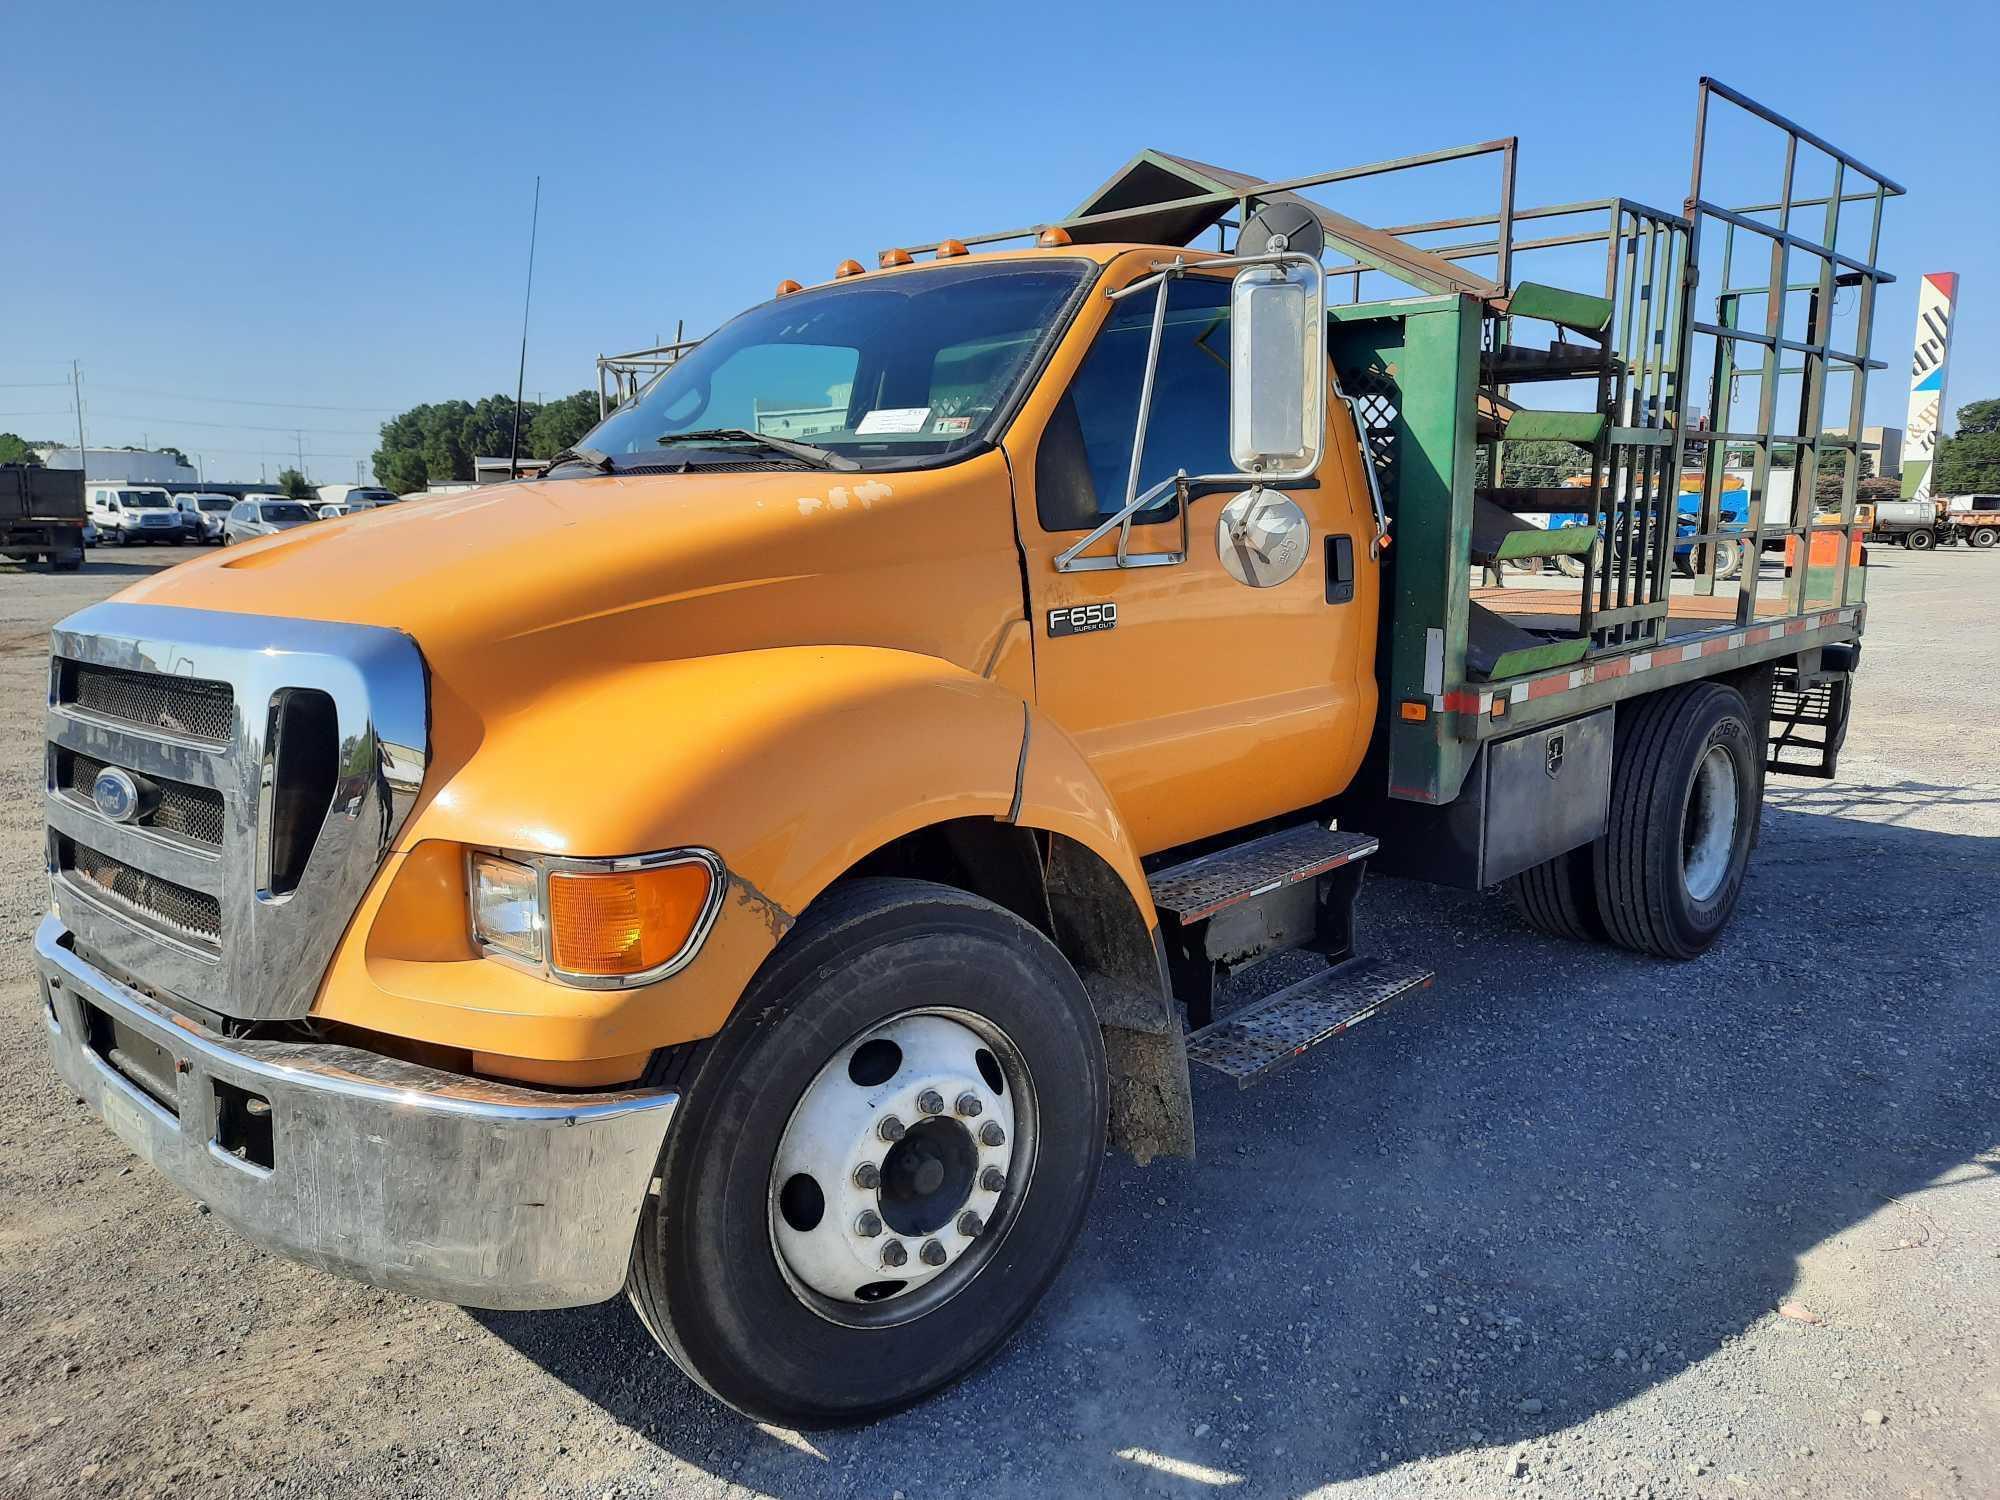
507 588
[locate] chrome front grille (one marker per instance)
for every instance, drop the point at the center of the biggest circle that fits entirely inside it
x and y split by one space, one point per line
192 813
188 915
261 823
186 707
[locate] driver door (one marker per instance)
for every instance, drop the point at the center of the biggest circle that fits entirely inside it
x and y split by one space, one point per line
1203 704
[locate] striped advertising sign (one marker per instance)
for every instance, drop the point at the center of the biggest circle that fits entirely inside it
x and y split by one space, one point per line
1927 372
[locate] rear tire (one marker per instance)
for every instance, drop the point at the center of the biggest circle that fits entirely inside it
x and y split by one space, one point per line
708 1274
1686 784
66 562
1557 897
1983 537
1920 541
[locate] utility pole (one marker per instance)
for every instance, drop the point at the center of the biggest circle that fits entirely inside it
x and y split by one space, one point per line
357 472
527 300
82 453
200 465
300 439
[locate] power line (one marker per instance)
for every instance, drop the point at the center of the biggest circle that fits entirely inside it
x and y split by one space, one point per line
118 416
140 390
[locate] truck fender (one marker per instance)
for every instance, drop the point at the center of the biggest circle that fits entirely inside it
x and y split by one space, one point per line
791 763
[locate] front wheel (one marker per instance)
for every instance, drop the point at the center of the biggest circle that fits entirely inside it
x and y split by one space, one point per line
882 1162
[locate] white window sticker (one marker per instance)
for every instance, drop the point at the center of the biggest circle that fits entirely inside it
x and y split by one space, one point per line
894 419
952 425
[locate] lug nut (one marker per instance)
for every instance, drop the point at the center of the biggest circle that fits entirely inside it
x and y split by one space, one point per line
968 1104
931 1102
869 1224
993 1179
867 1176
969 1224
990 1134
891 1128
932 1254
893 1254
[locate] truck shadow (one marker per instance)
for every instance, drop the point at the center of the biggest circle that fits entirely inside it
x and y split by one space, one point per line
1561 1178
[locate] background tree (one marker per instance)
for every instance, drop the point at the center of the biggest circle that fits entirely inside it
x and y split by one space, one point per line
440 439
14 449
1969 462
560 424
179 457
294 484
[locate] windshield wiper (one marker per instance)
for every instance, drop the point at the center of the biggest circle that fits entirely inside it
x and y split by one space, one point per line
819 458
590 456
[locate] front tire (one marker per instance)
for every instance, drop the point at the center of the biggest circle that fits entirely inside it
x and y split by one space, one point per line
736 1266
1686 786
1920 541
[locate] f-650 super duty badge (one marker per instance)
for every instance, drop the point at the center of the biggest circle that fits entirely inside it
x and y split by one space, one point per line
1080 619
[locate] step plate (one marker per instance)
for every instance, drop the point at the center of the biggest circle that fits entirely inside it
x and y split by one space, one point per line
1268 1034
1202 887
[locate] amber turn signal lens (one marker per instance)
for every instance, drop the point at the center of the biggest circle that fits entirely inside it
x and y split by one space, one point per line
622 922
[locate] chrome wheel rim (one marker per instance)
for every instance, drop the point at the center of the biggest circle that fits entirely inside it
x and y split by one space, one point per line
1708 825
902 1167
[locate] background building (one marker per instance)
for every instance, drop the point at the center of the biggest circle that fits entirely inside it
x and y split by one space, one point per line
123 465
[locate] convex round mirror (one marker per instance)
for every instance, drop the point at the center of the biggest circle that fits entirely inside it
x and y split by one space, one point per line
1262 537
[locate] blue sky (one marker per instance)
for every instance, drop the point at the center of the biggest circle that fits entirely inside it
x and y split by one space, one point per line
254 222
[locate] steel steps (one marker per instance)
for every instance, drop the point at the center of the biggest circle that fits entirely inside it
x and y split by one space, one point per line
1199 888
1500 536
1255 1042
1496 648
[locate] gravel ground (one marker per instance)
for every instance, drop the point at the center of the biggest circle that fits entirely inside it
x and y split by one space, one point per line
1574 1224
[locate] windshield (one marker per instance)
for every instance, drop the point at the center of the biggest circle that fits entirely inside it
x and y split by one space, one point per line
920 365
290 511
145 500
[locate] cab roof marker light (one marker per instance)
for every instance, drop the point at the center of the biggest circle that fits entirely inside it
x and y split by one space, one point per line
1052 238
787 287
848 268
948 248
890 258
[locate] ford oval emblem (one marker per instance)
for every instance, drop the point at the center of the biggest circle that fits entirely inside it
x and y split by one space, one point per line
116 794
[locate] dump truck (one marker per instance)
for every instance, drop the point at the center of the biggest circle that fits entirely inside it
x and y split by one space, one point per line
41 516
763 874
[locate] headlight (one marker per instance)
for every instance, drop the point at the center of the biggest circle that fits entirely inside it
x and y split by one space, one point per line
599 923
507 906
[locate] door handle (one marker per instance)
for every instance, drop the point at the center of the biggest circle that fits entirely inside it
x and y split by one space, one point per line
1339 569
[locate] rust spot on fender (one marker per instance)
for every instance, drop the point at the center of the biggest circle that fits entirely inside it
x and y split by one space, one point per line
761 906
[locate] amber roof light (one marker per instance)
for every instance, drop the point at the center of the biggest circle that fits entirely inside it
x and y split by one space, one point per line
1052 237
890 258
948 248
848 268
787 287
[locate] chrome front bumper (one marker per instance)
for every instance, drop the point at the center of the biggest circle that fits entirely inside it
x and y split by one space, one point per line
401 1176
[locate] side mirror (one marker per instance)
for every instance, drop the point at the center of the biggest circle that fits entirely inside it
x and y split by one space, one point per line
1277 370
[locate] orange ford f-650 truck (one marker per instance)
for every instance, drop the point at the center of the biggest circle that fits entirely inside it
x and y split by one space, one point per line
760 865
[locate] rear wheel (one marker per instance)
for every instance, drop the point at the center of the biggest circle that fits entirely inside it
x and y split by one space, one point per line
1983 537
1920 541
1686 783
1558 898
66 562
883 1161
